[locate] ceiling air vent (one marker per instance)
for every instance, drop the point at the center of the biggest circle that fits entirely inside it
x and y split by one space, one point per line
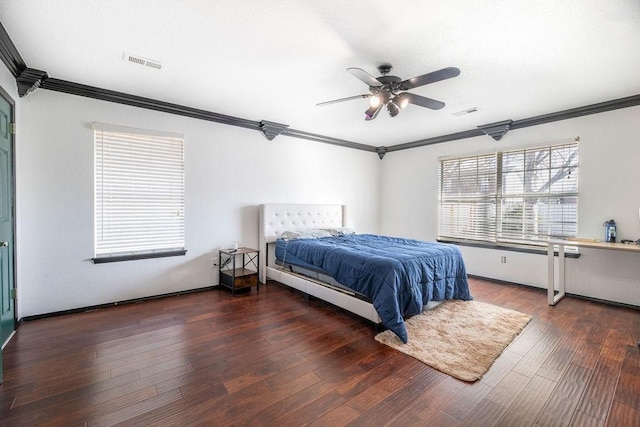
136 59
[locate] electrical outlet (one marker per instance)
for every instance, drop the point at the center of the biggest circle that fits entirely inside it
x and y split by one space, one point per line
503 259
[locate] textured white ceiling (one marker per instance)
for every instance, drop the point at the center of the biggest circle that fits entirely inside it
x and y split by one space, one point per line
274 60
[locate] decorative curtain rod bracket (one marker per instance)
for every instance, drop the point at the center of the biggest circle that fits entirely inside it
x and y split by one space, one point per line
496 130
271 129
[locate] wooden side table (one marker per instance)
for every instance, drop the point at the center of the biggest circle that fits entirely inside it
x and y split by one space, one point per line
239 268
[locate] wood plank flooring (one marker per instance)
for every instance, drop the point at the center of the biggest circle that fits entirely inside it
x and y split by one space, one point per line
273 358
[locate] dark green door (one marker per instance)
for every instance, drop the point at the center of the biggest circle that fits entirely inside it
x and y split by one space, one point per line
7 290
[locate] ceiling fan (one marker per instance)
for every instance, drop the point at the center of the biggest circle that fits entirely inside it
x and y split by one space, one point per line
389 90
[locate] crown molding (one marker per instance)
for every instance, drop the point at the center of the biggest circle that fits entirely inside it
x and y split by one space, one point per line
436 140
274 129
327 140
268 128
72 88
571 113
9 54
600 107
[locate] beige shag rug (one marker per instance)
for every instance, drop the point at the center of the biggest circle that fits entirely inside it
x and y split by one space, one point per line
459 338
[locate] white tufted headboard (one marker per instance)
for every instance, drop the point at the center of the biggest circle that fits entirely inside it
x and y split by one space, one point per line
276 218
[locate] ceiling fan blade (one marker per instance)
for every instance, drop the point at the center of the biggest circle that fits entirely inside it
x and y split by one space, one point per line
435 76
349 98
362 75
423 101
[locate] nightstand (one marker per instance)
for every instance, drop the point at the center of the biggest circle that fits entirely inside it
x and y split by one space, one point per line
239 268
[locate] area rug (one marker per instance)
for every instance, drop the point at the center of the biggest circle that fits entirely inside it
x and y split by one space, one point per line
459 338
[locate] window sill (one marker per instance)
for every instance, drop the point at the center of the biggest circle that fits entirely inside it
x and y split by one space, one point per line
119 258
506 247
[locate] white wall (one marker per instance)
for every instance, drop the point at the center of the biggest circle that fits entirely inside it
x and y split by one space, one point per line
608 185
229 171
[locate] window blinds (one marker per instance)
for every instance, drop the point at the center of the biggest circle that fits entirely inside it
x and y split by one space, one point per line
468 198
139 191
521 196
539 197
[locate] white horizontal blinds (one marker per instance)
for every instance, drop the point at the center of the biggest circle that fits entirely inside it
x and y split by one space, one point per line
139 191
539 194
468 198
519 196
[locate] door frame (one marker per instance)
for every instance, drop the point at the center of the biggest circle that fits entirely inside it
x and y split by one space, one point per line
4 94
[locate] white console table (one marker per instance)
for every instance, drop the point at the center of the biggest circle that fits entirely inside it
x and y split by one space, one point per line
553 297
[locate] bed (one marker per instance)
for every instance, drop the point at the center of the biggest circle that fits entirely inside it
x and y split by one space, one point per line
380 278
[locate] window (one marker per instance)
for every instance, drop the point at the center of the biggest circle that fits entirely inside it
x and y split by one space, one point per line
521 196
139 193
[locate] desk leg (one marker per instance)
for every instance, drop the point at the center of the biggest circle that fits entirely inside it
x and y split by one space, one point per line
551 294
550 271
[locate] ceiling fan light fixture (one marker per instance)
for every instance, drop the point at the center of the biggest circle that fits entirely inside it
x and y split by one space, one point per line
392 109
401 101
375 100
372 112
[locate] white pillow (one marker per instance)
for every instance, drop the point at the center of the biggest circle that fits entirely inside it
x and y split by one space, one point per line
314 233
340 231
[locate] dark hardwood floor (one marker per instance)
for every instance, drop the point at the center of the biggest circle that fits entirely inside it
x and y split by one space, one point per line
275 359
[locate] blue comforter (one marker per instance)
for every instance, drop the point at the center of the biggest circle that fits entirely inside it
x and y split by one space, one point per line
399 275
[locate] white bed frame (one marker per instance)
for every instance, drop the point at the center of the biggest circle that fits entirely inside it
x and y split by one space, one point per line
277 218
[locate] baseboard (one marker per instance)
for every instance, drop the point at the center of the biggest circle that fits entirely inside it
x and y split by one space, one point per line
544 290
111 304
505 282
